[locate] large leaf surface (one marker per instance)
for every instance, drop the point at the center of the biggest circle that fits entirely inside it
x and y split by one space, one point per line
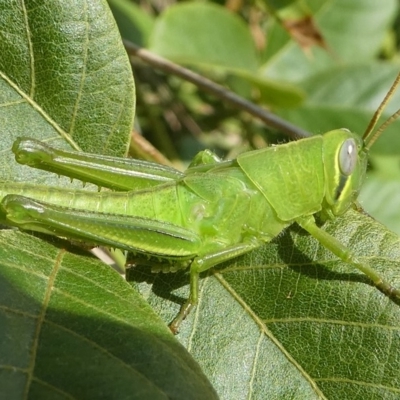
64 76
291 321
71 327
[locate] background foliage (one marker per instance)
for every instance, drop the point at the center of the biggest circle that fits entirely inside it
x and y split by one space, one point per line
286 321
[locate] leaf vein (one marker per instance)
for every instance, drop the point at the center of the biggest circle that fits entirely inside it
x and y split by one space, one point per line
362 383
40 320
83 74
331 321
42 112
264 329
31 53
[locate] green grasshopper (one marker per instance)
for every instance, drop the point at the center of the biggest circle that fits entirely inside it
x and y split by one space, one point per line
213 212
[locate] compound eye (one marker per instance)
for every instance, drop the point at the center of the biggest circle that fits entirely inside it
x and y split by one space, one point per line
348 156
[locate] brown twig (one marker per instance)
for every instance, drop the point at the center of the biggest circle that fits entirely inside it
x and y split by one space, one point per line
217 90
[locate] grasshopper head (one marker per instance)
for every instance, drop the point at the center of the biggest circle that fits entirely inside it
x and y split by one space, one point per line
345 161
345 158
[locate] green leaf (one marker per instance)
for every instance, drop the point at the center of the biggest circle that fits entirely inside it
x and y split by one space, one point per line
133 23
380 196
204 34
347 97
278 4
344 26
291 321
275 93
73 328
64 76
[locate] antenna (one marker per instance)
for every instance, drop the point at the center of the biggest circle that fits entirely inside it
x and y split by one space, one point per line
369 136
